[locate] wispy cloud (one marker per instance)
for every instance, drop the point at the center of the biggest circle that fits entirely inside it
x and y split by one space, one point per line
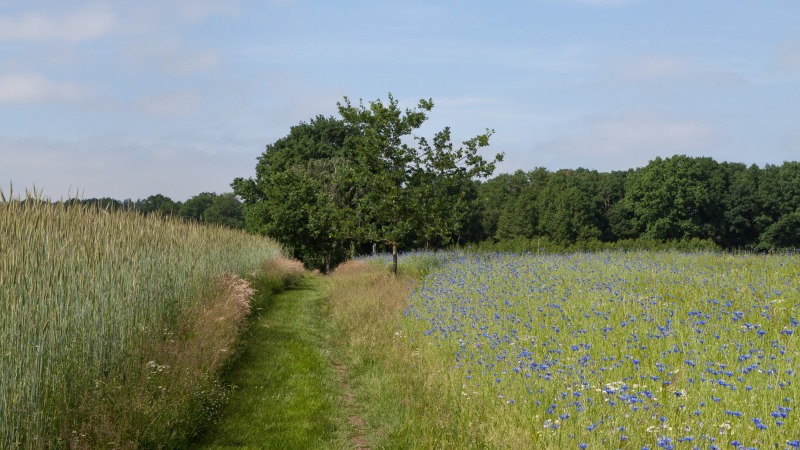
178 103
198 10
788 56
116 165
599 3
74 27
630 140
661 69
28 88
173 57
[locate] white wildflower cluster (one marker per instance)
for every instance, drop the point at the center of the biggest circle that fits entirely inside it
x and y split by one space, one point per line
155 368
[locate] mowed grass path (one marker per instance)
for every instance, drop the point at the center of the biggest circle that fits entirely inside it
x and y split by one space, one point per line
286 392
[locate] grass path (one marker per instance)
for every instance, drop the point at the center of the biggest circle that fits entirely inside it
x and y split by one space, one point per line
287 391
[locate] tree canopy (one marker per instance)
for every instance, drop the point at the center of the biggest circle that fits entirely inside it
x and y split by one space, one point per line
335 185
680 198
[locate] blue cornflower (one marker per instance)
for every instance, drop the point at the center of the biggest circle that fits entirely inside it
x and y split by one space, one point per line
583 446
666 443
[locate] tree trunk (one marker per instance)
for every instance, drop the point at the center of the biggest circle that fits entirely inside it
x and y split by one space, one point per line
394 258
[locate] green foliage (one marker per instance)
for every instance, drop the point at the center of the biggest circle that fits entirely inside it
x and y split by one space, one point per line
519 214
545 245
567 211
678 198
334 186
157 204
670 200
421 191
303 191
210 208
226 210
194 208
783 233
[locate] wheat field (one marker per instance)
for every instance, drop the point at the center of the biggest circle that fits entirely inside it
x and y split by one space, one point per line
85 294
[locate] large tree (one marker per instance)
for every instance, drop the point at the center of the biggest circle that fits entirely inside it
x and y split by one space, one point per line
411 187
680 197
338 184
301 194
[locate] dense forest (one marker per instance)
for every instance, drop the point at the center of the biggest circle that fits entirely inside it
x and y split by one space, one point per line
677 198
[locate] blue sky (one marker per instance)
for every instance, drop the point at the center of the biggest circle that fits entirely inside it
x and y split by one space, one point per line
128 99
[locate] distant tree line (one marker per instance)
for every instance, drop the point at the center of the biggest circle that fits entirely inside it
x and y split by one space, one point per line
335 187
207 207
679 198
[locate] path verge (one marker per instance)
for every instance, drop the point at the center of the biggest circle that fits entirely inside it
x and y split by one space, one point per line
285 392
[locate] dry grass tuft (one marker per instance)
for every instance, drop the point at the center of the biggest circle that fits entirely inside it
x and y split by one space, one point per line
284 265
177 376
352 266
366 298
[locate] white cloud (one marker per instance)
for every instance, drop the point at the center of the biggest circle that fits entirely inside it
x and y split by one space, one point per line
173 57
790 145
599 3
75 27
27 88
788 57
199 61
661 69
121 167
198 10
171 104
631 140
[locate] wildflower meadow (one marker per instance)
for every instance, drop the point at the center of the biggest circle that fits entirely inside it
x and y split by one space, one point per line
613 350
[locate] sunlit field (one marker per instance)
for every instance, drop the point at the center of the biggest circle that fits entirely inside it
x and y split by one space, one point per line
90 307
637 350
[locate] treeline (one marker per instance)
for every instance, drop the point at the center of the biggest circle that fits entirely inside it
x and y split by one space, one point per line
676 199
207 207
337 187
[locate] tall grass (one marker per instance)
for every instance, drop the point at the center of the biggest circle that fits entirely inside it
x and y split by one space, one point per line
87 299
611 350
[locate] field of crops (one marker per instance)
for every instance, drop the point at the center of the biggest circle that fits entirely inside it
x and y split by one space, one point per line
87 298
636 350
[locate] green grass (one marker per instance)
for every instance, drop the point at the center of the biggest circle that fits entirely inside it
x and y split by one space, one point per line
284 389
615 350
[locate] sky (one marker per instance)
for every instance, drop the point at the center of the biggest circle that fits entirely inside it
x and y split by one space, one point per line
127 99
